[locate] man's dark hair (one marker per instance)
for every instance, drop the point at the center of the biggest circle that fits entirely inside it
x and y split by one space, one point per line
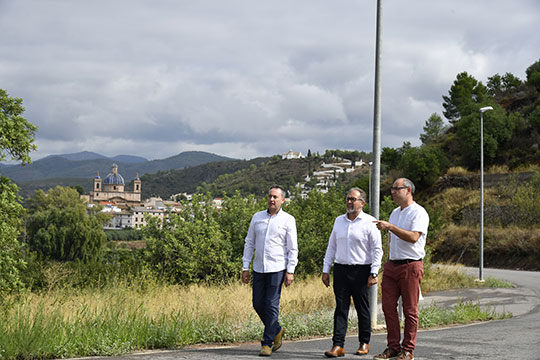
283 192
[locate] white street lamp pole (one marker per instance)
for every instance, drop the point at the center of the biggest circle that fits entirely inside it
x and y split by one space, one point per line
370 203
376 183
481 267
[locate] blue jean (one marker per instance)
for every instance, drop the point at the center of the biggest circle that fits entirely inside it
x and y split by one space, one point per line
266 296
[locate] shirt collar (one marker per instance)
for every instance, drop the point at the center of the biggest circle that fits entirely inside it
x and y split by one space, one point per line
358 217
276 214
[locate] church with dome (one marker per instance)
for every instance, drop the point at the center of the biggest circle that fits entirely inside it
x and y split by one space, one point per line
112 190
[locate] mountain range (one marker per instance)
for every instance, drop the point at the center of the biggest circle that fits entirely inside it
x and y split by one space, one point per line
88 164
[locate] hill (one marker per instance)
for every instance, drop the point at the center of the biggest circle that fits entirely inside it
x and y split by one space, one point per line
81 168
86 165
254 176
167 183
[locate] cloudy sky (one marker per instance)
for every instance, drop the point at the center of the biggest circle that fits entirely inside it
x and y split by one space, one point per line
244 78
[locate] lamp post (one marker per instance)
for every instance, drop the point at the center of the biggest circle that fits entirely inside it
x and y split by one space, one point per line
369 177
374 193
481 267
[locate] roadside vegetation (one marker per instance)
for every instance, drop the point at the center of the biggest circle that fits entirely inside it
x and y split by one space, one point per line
123 317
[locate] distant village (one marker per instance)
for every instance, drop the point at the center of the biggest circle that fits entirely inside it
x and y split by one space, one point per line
128 210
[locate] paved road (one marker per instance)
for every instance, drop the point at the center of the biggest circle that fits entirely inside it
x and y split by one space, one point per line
515 338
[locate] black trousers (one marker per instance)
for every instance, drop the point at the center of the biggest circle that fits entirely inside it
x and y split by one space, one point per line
351 281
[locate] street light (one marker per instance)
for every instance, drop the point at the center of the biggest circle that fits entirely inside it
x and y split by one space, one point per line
481 267
370 203
374 193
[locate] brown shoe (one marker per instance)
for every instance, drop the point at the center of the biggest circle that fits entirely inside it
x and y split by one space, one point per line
337 351
405 355
363 349
387 354
278 340
265 351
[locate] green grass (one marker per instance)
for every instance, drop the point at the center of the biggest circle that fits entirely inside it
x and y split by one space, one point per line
462 313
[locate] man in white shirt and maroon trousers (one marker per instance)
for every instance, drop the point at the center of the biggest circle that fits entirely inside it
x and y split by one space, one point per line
272 238
355 251
403 272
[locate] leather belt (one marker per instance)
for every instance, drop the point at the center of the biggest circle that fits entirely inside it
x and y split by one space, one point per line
405 261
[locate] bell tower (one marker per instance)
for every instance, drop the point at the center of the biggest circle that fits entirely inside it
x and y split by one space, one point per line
137 184
98 183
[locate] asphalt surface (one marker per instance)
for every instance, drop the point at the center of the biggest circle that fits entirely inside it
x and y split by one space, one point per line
515 338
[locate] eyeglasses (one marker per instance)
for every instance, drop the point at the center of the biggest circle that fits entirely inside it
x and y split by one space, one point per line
353 199
397 188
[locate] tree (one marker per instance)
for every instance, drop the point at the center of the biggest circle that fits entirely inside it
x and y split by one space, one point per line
315 217
498 84
16 140
423 165
534 119
533 75
498 129
79 189
190 246
465 91
16 133
60 227
234 219
434 130
11 212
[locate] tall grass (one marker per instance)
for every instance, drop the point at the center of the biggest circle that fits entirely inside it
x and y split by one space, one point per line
119 319
60 323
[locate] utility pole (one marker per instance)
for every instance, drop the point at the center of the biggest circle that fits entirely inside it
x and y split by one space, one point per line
376 173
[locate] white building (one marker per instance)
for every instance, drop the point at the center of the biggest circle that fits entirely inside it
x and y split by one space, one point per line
139 212
292 155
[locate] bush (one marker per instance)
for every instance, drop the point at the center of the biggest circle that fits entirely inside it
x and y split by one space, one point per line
123 235
189 247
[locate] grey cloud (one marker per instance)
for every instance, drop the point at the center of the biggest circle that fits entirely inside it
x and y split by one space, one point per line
247 79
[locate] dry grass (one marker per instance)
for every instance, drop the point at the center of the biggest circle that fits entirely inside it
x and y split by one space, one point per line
494 169
498 169
230 301
119 319
458 170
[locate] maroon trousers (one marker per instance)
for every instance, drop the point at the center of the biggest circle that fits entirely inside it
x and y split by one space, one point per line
401 280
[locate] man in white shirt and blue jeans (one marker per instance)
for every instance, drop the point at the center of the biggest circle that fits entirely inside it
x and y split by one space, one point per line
272 238
408 227
355 251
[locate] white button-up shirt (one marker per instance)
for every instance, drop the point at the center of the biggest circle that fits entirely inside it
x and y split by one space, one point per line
413 218
273 239
354 242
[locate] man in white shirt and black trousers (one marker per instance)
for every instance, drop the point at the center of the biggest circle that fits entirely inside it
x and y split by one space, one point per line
355 250
272 238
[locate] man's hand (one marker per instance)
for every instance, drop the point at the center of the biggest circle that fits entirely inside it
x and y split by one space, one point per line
405 235
289 278
382 225
371 281
245 277
326 279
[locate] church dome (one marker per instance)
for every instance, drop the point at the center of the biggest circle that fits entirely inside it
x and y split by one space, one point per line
114 178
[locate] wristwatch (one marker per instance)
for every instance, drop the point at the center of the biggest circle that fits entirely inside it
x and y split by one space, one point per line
374 275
